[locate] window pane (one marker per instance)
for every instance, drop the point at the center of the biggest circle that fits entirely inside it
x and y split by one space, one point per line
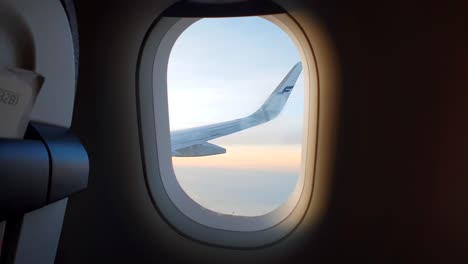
225 69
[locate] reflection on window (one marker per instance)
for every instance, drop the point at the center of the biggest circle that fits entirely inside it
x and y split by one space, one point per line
236 99
2 230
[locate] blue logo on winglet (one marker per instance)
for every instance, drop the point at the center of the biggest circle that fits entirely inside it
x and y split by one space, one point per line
286 89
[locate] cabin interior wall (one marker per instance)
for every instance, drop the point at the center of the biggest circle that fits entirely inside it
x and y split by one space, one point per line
399 178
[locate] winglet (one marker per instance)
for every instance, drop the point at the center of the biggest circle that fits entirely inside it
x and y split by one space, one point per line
275 103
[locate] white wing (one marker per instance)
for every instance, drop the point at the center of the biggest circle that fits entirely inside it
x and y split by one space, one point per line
192 142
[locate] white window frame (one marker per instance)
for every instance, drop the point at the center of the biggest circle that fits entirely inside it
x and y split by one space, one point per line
179 210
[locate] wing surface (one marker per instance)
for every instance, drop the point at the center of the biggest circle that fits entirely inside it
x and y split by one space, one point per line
192 142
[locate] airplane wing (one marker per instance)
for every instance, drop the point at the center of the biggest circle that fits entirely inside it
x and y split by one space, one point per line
193 142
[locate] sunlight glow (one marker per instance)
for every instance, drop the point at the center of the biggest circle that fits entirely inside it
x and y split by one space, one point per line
286 158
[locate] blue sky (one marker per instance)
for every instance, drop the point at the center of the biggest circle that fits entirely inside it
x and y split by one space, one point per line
222 69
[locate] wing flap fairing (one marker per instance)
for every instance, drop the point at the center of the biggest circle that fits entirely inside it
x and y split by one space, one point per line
198 150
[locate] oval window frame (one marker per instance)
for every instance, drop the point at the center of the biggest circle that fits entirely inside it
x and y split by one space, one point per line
178 209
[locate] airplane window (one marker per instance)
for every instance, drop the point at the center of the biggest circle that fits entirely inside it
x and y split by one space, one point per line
236 100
